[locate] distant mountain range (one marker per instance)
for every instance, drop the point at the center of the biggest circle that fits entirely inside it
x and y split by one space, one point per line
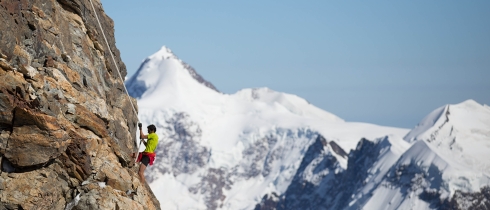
262 149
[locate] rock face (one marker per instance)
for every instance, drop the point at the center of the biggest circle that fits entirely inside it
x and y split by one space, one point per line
320 183
66 124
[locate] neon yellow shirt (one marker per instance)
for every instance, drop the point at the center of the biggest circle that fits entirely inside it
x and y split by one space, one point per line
152 142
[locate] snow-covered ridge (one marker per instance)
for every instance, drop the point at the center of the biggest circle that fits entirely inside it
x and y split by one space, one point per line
163 54
232 151
467 115
158 70
432 121
460 132
292 103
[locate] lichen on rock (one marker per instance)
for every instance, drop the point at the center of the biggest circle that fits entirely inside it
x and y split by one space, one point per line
66 124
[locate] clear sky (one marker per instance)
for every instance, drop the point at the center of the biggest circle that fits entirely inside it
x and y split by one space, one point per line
382 62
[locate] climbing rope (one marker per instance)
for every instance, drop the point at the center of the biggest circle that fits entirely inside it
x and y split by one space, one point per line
113 59
117 68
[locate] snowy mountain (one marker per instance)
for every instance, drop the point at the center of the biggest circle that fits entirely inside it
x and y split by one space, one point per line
460 132
440 164
263 149
161 67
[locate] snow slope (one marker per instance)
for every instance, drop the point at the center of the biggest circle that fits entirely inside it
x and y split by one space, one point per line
228 131
258 146
433 167
459 132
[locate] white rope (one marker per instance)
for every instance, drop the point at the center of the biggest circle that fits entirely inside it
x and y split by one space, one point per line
118 72
113 59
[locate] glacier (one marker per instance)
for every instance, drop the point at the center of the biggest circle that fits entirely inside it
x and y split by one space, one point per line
263 149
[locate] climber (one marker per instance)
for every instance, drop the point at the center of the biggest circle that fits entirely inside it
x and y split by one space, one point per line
147 156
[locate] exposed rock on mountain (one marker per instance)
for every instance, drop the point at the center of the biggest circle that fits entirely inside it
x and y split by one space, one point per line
440 164
228 151
66 125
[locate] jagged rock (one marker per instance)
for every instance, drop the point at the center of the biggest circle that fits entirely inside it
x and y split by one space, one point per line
29 146
183 154
476 200
6 107
4 64
89 120
49 62
66 126
35 188
28 71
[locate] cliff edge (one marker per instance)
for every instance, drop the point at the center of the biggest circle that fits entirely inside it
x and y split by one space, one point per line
66 125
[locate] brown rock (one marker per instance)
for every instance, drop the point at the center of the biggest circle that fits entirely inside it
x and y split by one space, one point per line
28 71
29 146
65 120
38 12
4 65
32 117
23 57
31 189
6 110
10 81
117 179
49 62
89 120
72 76
98 46
4 136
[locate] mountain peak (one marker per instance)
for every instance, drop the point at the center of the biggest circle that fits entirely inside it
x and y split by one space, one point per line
164 70
456 116
461 129
164 53
434 119
469 104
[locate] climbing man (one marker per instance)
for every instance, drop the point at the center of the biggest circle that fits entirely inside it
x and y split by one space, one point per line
147 156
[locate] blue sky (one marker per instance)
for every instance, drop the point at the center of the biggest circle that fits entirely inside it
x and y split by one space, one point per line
382 62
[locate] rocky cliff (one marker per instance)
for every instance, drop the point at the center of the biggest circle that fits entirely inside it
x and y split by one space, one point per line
66 124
